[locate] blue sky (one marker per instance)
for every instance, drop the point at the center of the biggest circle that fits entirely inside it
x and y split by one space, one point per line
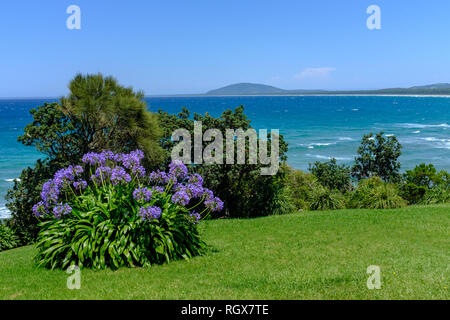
166 47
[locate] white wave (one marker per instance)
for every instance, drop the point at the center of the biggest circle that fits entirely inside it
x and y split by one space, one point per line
328 158
316 144
12 180
345 139
355 109
433 139
4 213
418 131
439 143
390 135
423 126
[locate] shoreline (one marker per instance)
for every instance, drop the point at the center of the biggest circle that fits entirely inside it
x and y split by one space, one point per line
194 95
300 95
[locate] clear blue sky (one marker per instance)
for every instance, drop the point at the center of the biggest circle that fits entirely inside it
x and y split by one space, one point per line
165 47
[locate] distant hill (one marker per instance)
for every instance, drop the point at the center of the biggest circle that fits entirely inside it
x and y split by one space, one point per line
433 86
262 89
246 89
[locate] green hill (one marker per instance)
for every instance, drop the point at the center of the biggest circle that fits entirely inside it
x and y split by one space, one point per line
262 89
246 89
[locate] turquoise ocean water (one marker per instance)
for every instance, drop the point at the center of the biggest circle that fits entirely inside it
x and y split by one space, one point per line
316 127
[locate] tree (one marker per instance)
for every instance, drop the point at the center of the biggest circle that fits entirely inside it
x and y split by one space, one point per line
332 175
98 114
427 176
378 156
245 192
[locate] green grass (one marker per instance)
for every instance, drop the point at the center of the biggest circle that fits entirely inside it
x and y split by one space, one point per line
310 255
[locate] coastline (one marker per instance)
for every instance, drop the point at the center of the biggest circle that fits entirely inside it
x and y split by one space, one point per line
299 95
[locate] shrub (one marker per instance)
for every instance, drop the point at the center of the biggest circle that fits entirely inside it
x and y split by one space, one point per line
321 198
8 238
424 184
299 185
110 213
332 175
439 194
413 193
373 193
422 175
245 192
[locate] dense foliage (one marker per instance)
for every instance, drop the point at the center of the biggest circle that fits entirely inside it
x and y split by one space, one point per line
245 192
97 114
8 239
322 198
374 193
378 156
332 175
110 213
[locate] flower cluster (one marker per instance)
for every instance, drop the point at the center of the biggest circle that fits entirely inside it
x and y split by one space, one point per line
158 177
150 192
194 217
52 189
132 161
61 209
177 170
142 194
150 212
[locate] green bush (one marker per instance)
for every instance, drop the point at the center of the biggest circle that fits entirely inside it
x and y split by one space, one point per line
245 192
438 194
424 184
413 193
299 185
332 175
119 216
8 239
321 198
374 193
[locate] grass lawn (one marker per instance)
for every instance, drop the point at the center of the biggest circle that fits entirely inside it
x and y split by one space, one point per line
309 255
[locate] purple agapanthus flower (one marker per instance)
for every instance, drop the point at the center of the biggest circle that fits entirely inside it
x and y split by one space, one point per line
142 194
194 190
119 176
94 159
207 194
157 189
150 212
181 197
177 169
214 204
103 172
195 179
61 209
158 177
194 217
50 192
39 209
132 161
80 185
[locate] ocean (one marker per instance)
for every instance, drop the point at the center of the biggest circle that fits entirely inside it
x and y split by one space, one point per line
316 127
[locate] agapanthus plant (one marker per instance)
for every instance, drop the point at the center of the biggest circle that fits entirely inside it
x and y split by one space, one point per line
109 213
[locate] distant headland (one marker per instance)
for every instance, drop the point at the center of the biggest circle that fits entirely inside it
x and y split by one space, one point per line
262 89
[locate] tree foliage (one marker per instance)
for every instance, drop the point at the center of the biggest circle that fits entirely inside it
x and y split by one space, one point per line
378 156
332 175
245 192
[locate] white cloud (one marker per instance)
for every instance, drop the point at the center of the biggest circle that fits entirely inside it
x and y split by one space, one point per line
315 73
